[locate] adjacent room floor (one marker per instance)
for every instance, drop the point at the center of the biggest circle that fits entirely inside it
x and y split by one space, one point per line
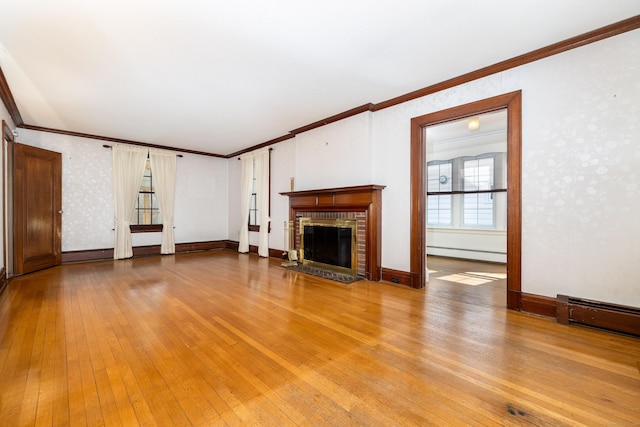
474 282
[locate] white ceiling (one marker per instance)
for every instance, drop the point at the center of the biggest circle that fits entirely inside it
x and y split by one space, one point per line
457 134
222 76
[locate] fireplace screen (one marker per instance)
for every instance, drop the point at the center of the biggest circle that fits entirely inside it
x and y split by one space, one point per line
329 243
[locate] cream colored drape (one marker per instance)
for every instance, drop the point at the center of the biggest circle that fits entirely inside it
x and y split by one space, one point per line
128 169
261 160
246 183
163 168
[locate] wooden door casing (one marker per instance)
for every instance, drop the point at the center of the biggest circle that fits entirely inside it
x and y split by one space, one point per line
37 192
512 102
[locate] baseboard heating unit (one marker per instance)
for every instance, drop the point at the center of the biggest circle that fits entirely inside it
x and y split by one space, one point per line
613 317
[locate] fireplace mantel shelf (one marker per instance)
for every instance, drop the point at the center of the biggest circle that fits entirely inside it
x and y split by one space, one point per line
363 198
356 189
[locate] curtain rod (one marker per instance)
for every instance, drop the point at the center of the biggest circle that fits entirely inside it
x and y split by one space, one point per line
270 149
109 147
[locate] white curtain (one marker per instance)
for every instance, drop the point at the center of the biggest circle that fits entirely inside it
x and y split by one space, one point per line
245 200
128 169
163 169
261 160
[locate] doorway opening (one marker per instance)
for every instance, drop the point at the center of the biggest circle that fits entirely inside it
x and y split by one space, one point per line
466 208
480 215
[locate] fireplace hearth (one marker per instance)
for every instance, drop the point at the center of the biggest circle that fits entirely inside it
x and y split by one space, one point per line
325 273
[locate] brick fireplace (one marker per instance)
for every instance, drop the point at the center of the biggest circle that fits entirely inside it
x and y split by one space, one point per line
362 204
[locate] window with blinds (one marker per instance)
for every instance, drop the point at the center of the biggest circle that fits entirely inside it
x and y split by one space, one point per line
439 206
461 191
478 208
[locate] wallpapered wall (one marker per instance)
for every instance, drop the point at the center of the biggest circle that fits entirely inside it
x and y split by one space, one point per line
87 194
581 156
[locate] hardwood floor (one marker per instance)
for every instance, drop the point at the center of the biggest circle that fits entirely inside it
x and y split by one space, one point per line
217 338
470 282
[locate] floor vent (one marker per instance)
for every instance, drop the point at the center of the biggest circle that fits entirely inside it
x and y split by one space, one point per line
613 317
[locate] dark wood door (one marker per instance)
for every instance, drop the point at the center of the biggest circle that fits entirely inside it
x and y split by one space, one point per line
37 204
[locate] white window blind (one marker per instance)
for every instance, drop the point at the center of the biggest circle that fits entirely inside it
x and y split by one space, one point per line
478 209
461 191
439 206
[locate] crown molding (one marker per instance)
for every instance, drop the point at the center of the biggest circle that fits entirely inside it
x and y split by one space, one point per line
469 138
601 33
7 134
264 144
9 101
118 140
337 117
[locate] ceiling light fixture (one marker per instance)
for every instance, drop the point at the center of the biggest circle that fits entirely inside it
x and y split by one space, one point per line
473 123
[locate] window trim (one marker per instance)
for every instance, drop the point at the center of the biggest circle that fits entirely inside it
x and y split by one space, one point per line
146 228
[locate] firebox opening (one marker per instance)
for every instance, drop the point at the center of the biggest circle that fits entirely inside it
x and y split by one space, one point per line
329 243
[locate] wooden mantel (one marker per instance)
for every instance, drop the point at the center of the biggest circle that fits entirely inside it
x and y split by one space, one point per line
363 198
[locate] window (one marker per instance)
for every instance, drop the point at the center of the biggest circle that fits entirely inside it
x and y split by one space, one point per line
439 206
478 208
461 192
254 217
146 215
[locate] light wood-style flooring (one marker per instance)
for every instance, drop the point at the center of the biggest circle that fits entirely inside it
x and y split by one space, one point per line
217 338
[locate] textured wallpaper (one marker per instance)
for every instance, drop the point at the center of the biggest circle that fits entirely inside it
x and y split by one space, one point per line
87 193
580 169
581 163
